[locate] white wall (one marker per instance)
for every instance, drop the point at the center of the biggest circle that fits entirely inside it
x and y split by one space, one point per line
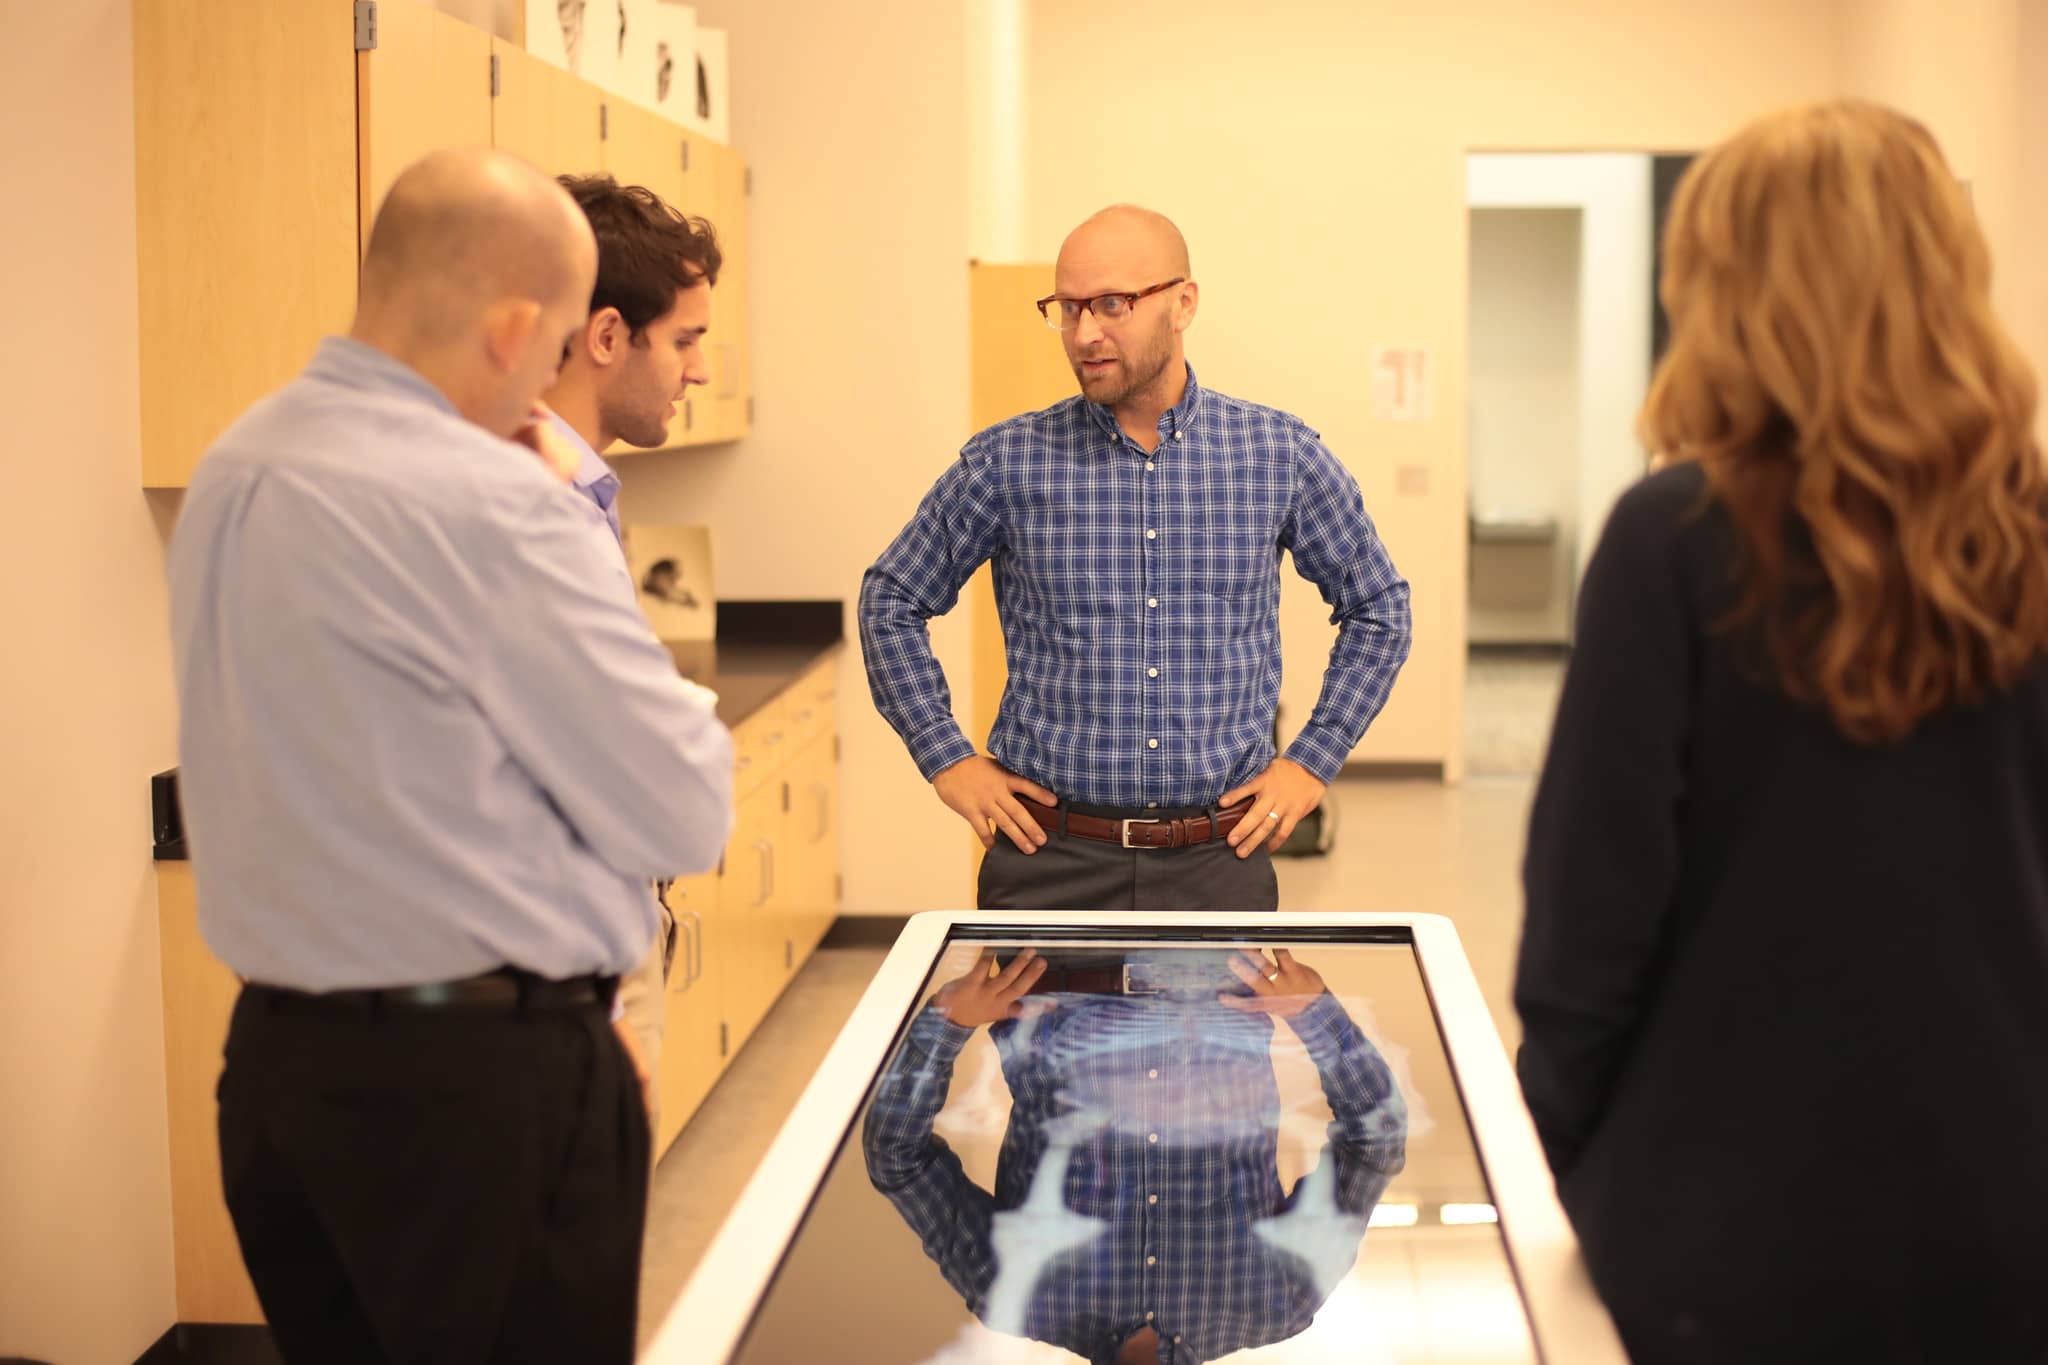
85 1234
853 121
1617 249
998 79
2026 269
1524 415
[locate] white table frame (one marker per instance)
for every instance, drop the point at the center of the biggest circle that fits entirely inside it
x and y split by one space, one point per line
1566 1318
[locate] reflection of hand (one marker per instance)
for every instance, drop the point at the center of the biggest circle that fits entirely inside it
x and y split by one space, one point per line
540 437
1283 988
1285 790
984 794
979 998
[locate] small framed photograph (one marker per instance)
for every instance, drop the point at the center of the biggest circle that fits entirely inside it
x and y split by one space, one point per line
671 568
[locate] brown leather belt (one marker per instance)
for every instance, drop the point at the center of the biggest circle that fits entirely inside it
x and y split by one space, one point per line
1140 833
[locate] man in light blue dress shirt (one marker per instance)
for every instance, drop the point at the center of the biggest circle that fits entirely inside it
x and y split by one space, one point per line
623 374
430 760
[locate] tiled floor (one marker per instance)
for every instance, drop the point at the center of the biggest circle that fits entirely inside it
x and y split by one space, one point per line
1401 846
1510 697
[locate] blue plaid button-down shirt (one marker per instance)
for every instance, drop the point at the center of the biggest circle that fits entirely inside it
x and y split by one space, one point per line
1139 597
1138 1180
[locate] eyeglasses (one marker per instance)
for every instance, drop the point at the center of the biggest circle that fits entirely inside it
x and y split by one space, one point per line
1109 309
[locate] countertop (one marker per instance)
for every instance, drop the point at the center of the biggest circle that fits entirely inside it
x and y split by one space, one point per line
746 676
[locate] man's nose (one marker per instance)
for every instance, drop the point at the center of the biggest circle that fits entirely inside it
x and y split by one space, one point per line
1087 331
697 369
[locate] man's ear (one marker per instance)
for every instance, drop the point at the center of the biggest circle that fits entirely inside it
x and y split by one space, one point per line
508 330
1187 301
605 337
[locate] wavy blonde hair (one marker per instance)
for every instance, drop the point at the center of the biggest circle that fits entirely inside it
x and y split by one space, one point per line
1836 369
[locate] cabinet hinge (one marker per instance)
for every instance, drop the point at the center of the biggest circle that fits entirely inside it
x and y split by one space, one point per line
785 798
366 25
788 956
750 180
686 154
750 412
835 748
838 887
689 415
721 1037
494 76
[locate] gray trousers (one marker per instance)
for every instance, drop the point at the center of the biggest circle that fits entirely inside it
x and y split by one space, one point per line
1083 874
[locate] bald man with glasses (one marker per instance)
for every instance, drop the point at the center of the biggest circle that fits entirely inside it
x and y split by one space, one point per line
1135 531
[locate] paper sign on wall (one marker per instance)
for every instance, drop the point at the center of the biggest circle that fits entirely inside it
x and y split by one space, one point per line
1401 384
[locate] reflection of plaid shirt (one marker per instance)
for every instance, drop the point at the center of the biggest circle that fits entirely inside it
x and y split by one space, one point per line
1140 600
1172 1112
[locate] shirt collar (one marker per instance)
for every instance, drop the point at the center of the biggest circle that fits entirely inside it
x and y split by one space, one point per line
592 473
344 360
1176 420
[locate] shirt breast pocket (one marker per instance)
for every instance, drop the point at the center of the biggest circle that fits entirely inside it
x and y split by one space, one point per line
1235 558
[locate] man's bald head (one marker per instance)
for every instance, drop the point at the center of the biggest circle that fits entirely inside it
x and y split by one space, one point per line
1139 237
1128 354
463 228
479 268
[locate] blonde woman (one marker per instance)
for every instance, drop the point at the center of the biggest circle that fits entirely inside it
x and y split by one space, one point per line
1784 977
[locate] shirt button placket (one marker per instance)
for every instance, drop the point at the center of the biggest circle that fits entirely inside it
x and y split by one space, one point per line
1151 709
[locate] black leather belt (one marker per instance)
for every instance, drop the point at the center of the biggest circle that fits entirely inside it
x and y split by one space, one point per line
508 988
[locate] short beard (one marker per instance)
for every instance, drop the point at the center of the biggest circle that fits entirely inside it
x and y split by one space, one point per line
1136 382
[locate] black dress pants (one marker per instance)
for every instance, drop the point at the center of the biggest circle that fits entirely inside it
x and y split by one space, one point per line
1071 873
448 1185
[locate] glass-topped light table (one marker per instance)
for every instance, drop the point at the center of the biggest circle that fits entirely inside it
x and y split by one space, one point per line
1059 1137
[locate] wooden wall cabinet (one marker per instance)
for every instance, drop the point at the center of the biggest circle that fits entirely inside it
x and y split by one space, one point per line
245 209
266 138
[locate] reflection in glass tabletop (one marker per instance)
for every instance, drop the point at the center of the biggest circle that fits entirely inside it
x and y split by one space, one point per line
1144 1151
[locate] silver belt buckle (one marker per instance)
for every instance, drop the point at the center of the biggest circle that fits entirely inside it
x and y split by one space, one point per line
1130 989
1127 830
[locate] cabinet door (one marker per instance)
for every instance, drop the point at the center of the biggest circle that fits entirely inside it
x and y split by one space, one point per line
245 209
723 406
748 937
546 115
523 112
427 84
580 118
643 148
813 840
690 1056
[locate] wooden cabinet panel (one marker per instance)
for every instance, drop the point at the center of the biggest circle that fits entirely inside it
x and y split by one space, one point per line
580 117
813 842
642 148
427 84
813 702
245 209
748 937
546 115
690 1056
199 996
760 745
522 118
723 413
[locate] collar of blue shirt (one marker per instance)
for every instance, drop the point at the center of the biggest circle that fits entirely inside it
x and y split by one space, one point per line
1179 418
344 360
